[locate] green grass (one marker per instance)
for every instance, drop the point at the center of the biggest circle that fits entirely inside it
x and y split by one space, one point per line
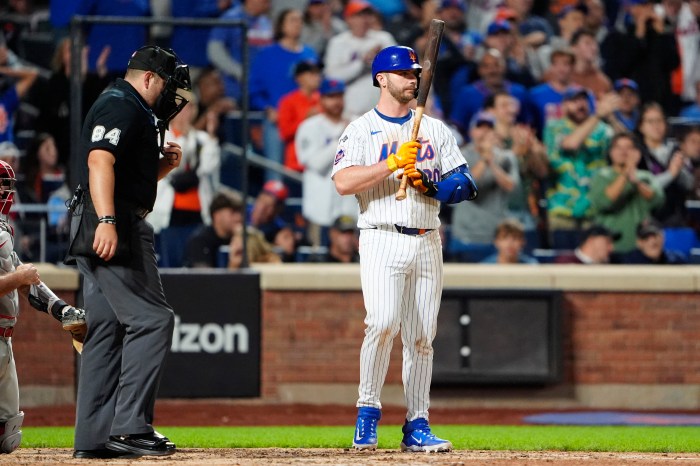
525 438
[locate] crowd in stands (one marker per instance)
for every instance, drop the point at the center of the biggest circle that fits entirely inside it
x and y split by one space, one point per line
580 121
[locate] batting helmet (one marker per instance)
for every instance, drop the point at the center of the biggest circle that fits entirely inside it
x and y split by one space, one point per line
394 58
7 187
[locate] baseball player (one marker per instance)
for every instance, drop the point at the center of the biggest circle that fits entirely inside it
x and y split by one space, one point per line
400 246
14 277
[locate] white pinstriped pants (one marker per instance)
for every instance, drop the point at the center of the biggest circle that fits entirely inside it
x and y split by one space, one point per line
402 285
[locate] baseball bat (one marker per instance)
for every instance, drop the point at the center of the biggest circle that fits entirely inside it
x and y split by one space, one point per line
426 79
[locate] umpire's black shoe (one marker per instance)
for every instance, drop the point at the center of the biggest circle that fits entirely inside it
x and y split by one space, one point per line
150 444
102 454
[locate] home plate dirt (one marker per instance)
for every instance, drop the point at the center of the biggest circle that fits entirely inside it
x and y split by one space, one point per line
336 457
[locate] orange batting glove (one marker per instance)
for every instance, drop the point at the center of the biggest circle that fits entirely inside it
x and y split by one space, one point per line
406 155
419 181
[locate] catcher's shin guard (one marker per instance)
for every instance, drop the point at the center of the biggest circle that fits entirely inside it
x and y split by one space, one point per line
10 433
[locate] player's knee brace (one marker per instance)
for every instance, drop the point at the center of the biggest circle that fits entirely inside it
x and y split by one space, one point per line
10 433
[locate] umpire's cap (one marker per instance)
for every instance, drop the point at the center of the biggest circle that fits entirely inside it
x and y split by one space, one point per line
155 59
394 58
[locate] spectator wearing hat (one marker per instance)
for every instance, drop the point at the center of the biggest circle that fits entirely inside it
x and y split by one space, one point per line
224 47
272 76
226 211
545 99
595 247
650 247
320 24
297 106
350 54
646 51
577 145
266 212
316 143
509 242
470 98
623 195
503 36
343 246
587 71
495 171
626 117
570 19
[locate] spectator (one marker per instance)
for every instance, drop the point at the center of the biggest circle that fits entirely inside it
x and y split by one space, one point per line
272 76
626 118
661 157
344 241
545 99
503 36
587 71
577 145
534 29
258 249
43 173
647 52
596 19
689 145
190 41
226 212
650 247
52 97
297 106
349 57
316 143
623 195
224 48
570 19
266 212
509 242
595 247
186 191
692 112
121 39
470 98
10 98
495 171
682 22
320 25
213 103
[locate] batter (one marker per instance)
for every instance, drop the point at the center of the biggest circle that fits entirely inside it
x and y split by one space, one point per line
400 246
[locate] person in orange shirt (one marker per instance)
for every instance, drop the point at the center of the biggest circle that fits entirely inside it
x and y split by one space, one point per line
297 106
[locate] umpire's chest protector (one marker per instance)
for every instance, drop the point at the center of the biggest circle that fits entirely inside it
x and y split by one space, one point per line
122 123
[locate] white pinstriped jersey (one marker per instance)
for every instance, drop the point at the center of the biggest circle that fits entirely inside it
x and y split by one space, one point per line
371 138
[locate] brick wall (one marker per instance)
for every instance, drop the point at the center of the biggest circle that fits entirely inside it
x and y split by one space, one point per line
609 338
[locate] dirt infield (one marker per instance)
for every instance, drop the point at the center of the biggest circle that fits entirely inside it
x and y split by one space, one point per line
337 457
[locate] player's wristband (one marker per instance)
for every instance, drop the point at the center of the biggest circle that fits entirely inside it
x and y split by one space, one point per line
111 219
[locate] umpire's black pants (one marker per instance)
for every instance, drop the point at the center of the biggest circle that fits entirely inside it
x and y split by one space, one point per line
130 327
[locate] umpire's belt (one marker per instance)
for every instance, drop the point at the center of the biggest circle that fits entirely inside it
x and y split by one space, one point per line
411 231
141 212
6 332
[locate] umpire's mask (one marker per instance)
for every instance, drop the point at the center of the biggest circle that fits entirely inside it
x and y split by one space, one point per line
176 74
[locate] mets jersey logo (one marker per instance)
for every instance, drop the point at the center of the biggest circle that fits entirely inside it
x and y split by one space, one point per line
339 156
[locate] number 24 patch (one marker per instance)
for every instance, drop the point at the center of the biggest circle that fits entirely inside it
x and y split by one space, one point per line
98 134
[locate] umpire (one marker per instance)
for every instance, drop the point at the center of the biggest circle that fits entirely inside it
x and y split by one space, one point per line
130 324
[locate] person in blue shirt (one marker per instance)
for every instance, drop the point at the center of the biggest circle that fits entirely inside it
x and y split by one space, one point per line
626 117
545 99
190 41
492 68
224 48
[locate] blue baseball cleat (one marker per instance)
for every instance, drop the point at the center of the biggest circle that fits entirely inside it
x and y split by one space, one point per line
366 428
417 437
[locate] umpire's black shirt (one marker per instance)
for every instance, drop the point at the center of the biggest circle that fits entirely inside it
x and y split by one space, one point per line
122 123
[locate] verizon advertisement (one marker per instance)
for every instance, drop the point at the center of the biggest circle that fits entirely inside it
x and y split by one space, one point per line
216 341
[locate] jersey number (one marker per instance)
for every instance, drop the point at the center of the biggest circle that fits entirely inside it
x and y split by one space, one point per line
98 134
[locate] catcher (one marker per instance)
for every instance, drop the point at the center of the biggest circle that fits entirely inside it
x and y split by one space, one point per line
23 278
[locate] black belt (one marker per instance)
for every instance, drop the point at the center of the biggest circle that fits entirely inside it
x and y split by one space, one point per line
141 212
412 231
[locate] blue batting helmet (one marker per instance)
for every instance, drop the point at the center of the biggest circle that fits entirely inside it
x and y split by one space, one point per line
394 58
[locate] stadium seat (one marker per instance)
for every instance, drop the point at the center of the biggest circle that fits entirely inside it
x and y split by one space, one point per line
681 239
172 242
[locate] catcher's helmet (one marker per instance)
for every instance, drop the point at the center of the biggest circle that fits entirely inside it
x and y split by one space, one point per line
7 187
394 58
